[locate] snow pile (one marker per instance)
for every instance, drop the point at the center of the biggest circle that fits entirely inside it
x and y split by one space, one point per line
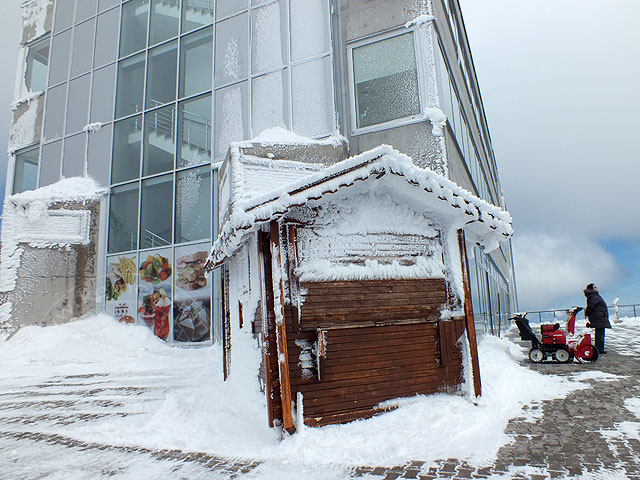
183 402
420 20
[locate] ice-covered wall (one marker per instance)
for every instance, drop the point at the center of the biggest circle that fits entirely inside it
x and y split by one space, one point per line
37 17
48 257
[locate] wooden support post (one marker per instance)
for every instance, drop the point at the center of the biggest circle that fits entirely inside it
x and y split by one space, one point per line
281 330
468 312
264 255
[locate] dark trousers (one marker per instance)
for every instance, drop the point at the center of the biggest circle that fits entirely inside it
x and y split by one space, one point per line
600 339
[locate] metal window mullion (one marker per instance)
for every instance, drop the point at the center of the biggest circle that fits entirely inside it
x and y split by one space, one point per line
249 71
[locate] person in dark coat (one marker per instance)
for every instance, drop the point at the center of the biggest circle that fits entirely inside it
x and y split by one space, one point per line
597 313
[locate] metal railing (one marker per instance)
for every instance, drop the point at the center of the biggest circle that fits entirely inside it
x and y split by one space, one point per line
560 315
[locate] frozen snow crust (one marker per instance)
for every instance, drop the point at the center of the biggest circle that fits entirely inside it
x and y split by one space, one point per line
430 193
192 409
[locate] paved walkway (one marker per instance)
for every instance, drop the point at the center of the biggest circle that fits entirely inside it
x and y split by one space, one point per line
589 434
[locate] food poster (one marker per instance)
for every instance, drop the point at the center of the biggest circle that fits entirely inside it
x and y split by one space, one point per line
155 274
192 306
120 288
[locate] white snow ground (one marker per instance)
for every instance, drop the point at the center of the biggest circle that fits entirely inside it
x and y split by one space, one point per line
101 386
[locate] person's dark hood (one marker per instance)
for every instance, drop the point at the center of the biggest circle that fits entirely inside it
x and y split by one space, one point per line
590 291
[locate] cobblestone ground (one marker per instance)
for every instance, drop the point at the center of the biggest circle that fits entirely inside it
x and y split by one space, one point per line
589 434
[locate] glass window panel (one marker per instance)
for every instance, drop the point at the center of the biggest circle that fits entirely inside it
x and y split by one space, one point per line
130 85
123 218
231 117
50 163
73 160
161 76
25 175
156 212
104 4
126 149
154 291
268 30
60 48
165 18
64 14
106 48
99 154
78 109
312 97
192 296
102 94
159 140
386 80
196 57
195 131
310 33
455 119
133 32
54 112
35 75
85 9
226 8
269 102
232 50
193 204
196 13
82 56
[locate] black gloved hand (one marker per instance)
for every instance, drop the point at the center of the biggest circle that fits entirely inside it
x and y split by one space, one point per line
589 325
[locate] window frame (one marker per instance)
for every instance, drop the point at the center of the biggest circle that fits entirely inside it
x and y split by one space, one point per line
420 74
25 89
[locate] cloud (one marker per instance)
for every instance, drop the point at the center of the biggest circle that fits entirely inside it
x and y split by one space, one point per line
552 268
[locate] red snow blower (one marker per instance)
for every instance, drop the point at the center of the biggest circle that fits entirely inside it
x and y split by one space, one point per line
556 345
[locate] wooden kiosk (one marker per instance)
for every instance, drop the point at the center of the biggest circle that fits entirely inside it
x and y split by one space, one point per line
354 277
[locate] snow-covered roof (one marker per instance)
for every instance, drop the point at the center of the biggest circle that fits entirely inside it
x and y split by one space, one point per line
383 167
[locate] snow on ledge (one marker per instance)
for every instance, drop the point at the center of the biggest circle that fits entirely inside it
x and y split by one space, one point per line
420 20
279 135
26 99
75 189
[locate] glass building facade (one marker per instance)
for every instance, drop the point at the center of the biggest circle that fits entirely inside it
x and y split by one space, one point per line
146 95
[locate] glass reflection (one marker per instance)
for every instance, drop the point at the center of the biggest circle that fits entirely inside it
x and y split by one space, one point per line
123 218
126 149
156 212
195 131
159 140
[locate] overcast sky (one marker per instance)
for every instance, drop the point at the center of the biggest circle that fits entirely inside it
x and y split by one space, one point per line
9 30
559 84
559 81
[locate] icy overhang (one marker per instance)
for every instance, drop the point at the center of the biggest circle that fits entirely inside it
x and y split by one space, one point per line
382 169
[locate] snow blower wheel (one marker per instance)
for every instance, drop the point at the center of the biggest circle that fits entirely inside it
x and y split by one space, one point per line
536 355
562 356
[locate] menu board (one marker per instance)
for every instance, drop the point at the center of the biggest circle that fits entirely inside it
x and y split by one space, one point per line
192 305
154 290
120 287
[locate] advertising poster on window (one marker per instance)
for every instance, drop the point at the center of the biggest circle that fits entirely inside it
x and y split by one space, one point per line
120 288
154 299
192 306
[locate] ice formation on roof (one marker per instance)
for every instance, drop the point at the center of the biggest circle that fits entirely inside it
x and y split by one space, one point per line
419 20
435 195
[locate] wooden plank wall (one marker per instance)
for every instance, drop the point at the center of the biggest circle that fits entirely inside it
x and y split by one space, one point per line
380 301
384 340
